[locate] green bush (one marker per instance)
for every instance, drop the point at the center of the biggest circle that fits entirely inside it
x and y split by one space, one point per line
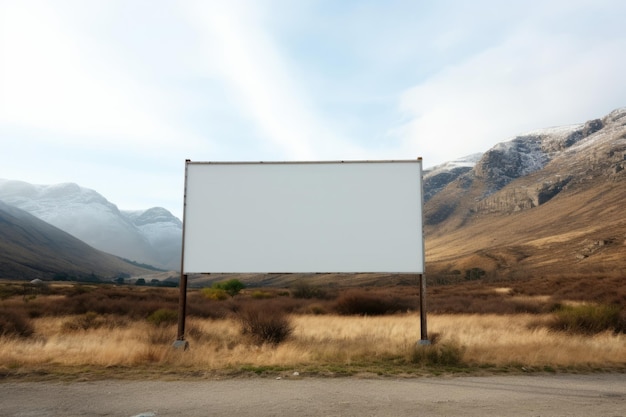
14 324
163 317
232 286
264 323
589 319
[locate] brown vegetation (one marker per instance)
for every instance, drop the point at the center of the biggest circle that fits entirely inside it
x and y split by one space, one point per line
326 344
264 322
472 327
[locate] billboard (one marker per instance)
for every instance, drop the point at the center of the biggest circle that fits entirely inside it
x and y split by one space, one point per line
303 217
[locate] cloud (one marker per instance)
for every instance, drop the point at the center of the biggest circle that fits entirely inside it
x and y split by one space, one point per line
531 79
263 83
67 83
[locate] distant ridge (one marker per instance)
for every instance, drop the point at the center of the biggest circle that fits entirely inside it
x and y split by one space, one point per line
150 236
33 249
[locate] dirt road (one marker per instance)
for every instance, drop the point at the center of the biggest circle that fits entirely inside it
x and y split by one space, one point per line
526 395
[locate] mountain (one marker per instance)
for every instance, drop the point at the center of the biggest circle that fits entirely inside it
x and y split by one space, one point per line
150 237
438 177
548 202
163 231
31 248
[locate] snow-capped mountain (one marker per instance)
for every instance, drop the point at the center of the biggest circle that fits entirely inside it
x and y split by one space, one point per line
437 177
162 230
151 237
558 151
544 202
33 249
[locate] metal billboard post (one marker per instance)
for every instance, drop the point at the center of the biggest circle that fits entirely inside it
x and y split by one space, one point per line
180 342
182 311
423 326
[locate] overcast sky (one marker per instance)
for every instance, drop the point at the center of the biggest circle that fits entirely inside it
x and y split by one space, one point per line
115 95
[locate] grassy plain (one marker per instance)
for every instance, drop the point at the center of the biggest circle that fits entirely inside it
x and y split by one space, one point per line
320 344
104 331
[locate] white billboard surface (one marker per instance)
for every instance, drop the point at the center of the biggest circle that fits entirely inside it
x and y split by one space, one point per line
303 217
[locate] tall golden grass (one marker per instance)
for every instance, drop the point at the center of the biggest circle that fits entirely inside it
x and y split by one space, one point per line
319 342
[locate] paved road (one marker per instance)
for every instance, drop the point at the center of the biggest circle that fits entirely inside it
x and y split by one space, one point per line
526 395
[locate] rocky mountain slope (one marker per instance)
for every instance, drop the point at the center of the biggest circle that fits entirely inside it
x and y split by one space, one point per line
438 177
31 248
151 237
546 202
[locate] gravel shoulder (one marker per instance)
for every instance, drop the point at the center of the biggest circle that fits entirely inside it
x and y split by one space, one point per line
520 395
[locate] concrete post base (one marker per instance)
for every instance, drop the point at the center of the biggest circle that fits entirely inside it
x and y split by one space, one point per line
181 344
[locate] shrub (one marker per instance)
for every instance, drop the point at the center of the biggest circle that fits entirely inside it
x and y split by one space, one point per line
264 323
370 304
163 317
588 319
232 286
13 324
474 274
214 293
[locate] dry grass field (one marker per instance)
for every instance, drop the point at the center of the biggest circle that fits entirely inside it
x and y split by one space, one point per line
319 344
128 331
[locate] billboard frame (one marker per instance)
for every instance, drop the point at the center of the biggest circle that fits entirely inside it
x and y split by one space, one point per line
190 239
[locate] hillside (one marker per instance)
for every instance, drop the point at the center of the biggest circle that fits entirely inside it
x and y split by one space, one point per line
548 203
150 236
31 248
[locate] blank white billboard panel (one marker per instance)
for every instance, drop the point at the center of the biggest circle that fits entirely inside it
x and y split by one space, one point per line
303 217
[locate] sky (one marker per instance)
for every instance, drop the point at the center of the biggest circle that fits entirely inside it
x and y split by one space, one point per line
115 95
